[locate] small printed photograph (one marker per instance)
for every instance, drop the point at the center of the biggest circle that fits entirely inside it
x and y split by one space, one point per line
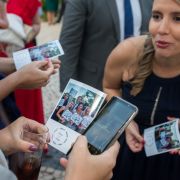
49 50
166 136
78 106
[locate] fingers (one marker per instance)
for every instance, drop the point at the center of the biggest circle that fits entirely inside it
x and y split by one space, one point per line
139 138
175 152
137 147
81 143
34 126
41 64
50 68
64 162
56 63
110 154
113 150
45 65
134 132
170 118
134 140
25 146
134 144
56 66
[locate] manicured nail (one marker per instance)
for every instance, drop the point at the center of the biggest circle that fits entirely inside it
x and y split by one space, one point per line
45 150
33 148
144 142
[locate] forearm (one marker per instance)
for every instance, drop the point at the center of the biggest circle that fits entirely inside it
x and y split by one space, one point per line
7 65
36 24
57 114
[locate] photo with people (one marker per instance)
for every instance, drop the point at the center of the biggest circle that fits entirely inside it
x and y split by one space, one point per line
78 106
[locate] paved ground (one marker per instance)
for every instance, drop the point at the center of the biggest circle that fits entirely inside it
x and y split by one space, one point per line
50 169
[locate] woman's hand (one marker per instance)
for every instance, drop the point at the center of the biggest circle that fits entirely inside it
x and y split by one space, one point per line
84 166
57 64
34 75
11 137
174 151
133 138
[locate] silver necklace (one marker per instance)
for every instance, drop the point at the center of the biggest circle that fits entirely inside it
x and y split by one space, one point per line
155 106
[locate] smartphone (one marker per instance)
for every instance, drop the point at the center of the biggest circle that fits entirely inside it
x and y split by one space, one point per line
109 124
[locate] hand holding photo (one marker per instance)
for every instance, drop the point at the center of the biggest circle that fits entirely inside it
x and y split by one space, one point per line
76 109
50 50
162 138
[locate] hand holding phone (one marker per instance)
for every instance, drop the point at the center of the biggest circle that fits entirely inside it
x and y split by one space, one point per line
96 167
109 124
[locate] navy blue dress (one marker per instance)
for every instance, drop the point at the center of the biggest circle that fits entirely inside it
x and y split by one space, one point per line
136 166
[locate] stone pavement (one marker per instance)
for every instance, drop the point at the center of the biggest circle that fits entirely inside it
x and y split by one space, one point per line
50 169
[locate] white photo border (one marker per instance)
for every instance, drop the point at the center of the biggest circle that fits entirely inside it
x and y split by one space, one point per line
64 134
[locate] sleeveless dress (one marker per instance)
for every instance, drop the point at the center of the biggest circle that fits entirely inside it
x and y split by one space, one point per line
51 5
136 166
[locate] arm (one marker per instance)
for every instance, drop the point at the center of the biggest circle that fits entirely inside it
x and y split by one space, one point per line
7 65
3 18
59 111
121 66
36 26
71 38
82 165
33 75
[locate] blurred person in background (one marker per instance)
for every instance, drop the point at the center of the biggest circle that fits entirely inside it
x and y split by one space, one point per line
29 102
61 10
51 10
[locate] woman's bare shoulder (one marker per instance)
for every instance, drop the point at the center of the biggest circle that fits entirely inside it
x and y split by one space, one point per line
128 50
124 59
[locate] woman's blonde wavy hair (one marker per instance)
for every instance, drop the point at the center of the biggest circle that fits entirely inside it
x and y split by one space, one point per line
144 67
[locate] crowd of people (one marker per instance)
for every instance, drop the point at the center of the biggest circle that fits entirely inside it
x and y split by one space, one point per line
76 116
144 70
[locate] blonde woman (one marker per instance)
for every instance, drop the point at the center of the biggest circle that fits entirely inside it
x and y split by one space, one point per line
146 71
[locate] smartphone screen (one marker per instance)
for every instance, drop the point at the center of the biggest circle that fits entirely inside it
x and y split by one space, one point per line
109 124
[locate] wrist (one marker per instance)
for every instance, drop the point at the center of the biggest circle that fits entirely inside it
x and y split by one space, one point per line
5 141
7 65
18 79
12 65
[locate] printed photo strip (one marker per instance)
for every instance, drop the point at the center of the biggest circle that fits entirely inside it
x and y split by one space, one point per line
162 138
50 50
75 110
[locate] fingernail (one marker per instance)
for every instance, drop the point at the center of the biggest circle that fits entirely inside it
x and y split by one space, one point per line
144 142
33 148
45 150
